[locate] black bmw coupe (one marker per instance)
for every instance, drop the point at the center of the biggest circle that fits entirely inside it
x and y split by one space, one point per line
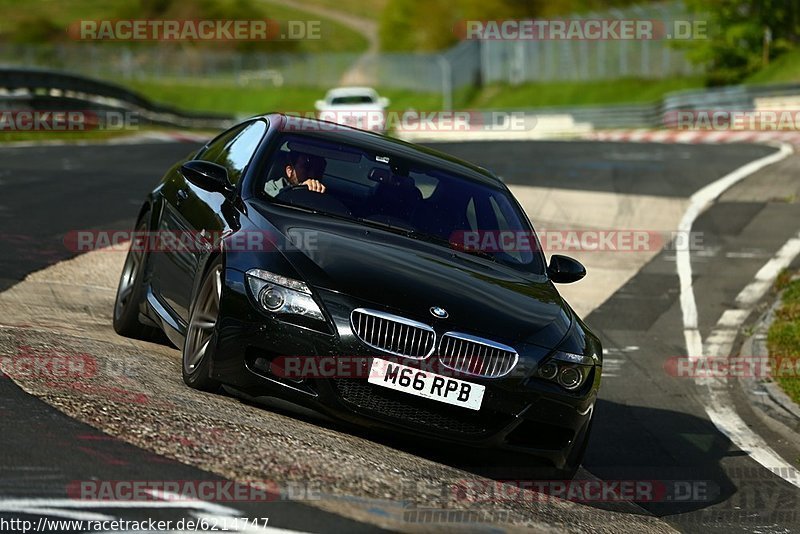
378 282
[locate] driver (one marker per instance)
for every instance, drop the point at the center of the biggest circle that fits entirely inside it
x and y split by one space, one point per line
300 167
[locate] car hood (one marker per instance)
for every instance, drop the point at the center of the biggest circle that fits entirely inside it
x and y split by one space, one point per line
408 276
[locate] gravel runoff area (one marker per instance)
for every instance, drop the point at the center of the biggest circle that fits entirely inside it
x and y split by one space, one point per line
133 390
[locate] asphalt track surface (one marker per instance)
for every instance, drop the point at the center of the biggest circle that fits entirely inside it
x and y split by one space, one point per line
651 426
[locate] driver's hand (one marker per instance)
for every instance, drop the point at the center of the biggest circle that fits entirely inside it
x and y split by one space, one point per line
314 185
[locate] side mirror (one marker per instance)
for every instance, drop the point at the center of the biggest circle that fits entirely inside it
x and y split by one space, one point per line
320 105
207 175
384 102
565 270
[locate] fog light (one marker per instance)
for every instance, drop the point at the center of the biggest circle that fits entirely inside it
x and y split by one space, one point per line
548 370
272 298
570 377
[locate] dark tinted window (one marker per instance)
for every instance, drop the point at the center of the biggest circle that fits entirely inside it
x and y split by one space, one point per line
405 196
234 149
239 151
355 99
215 147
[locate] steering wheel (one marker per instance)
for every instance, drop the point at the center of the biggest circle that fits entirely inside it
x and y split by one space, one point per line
300 195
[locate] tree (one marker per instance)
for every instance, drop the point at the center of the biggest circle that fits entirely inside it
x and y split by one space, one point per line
414 25
734 45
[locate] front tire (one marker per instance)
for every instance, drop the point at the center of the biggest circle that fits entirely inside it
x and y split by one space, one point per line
201 334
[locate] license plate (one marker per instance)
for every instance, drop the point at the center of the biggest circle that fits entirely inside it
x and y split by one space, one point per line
426 384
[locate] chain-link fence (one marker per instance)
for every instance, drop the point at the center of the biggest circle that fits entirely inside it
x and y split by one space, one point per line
420 72
470 63
520 61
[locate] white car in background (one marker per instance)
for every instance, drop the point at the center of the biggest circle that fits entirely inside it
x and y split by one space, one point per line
359 107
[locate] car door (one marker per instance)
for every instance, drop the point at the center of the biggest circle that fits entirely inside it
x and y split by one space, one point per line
208 216
173 260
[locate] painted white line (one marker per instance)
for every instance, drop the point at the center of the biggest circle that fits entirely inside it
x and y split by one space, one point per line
738 137
719 407
720 343
611 366
733 318
693 136
687 137
715 136
742 255
768 273
698 203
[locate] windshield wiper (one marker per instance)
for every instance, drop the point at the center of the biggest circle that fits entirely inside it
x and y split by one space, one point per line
415 234
476 252
387 226
297 207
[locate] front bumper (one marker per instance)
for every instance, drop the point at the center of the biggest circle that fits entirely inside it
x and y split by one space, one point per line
518 413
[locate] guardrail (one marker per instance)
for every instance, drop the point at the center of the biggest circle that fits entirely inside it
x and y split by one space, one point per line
31 89
49 90
610 116
664 114
570 121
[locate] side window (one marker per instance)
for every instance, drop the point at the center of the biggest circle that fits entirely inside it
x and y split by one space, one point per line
472 218
212 150
519 251
237 153
425 183
502 222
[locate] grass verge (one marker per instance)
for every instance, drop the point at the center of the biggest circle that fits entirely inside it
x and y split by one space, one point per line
784 69
783 338
252 100
227 97
623 91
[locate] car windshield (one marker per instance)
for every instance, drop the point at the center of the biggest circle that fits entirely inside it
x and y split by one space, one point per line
352 99
403 196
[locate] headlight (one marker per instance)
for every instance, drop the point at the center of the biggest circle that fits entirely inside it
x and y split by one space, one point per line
281 295
548 370
570 377
568 370
272 298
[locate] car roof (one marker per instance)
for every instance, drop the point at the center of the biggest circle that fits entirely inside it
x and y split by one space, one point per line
388 145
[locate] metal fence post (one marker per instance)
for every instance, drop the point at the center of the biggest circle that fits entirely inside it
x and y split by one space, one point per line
447 83
470 63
